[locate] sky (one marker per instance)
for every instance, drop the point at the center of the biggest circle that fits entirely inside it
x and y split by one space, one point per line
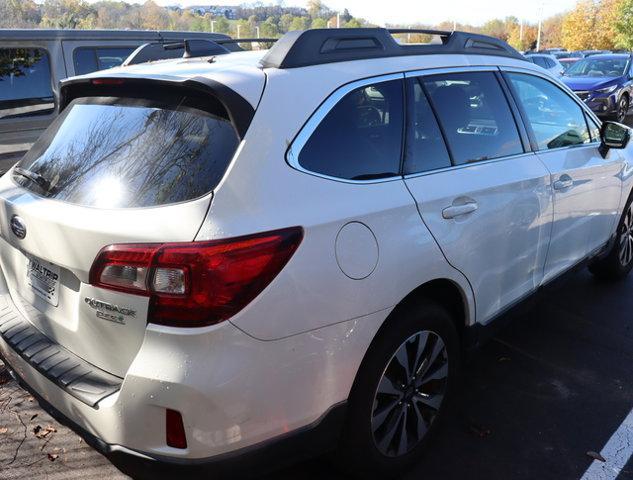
474 12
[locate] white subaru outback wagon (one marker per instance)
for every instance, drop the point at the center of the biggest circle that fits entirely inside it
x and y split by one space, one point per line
262 255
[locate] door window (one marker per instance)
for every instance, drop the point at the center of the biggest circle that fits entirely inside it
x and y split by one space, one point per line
556 120
425 149
361 137
25 83
474 115
89 59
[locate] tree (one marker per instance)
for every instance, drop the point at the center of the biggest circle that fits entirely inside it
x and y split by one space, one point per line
66 13
154 17
319 23
496 28
19 14
300 23
353 23
579 25
624 25
269 28
222 25
552 31
316 8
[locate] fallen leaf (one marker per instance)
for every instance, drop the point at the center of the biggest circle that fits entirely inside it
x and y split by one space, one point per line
43 432
53 456
596 456
4 429
33 417
503 359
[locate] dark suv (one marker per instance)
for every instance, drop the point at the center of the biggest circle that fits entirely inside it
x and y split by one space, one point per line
604 82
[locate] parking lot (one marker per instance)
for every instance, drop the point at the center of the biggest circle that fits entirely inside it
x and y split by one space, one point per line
555 384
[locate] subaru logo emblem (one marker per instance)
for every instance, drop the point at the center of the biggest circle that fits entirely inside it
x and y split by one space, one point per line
18 227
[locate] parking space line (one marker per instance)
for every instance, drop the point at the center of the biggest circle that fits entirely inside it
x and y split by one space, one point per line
616 452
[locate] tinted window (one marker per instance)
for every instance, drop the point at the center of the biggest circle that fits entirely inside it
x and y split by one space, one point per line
555 119
116 153
361 137
25 82
540 61
85 61
89 60
474 115
425 145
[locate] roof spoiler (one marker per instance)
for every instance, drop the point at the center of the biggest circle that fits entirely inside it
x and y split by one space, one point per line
239 111
319 46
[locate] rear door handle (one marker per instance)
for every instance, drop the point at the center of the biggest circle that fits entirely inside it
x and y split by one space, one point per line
565 181
458 210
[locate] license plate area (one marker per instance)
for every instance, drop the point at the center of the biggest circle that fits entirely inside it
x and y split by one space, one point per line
43 278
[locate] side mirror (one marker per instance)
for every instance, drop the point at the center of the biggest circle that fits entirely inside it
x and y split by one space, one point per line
613 135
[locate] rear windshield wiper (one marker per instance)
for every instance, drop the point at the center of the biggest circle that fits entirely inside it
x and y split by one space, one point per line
34 177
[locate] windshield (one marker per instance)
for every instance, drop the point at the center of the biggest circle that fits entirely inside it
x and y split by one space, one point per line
598 67
122 153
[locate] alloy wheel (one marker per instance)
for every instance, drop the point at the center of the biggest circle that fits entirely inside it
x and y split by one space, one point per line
409 394
626 238
623 108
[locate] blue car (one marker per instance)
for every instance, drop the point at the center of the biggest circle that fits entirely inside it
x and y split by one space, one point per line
604 82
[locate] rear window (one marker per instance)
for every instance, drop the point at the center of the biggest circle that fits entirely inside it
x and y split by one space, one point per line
124 153
25 83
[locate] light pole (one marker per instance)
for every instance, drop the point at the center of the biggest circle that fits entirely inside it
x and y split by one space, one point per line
212 26
238 31
257 30
540 28
338 20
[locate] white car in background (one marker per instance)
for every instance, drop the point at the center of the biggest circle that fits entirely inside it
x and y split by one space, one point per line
547 62
256 256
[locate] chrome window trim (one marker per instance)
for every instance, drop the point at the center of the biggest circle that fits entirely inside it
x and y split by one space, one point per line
469 165
292 155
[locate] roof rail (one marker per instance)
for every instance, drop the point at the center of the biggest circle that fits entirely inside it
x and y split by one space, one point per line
225 41
188 48
319 46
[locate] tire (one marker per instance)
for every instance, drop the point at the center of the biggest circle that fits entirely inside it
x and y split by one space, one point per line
374 413
622 109
618 262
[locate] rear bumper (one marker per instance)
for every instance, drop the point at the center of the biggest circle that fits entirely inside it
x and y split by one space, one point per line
239 397
309 441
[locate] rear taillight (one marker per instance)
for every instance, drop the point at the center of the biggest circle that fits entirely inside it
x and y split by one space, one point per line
198 283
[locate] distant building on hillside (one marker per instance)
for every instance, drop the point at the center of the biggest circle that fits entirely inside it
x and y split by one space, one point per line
215 10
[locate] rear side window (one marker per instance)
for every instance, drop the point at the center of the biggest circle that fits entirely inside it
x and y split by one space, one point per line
123 153
89 59
555 119
361 137
425 149
25 83
474 115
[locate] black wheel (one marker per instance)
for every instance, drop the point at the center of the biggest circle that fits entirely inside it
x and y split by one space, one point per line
623 109
619 261
402 390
